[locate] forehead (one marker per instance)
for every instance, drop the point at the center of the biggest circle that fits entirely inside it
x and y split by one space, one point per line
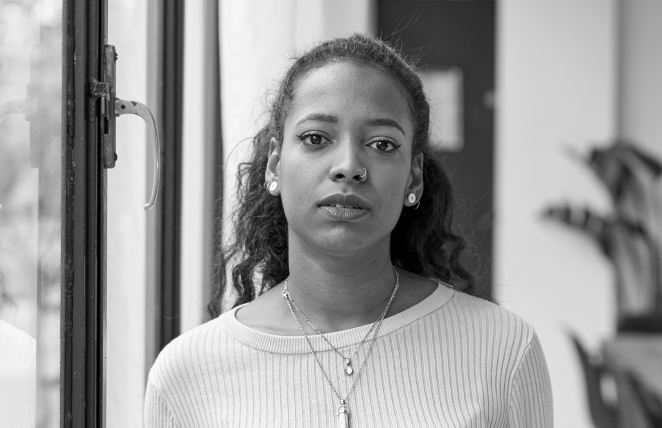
349 87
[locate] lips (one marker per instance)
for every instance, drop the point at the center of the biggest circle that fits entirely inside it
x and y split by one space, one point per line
344 207
348 201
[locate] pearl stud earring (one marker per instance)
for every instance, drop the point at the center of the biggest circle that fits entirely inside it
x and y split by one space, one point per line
411 198
273 186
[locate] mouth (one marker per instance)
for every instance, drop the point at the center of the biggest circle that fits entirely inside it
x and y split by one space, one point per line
345 201
344 207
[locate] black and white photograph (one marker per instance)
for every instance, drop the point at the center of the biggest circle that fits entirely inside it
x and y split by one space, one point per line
330 213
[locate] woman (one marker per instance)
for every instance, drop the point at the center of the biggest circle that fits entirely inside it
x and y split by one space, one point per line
365 315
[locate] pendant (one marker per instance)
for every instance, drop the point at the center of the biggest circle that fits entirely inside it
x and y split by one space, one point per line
348 367
343 415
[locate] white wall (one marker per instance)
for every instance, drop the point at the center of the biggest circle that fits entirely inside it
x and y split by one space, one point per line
193 169
640 61
556 91
197 167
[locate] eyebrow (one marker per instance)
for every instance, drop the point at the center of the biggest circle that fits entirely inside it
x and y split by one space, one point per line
318 117
386 122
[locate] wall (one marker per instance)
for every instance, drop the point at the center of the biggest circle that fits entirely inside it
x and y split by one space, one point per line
640 68
556 95
197 165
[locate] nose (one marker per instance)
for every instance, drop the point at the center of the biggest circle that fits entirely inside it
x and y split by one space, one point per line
349 169
359 175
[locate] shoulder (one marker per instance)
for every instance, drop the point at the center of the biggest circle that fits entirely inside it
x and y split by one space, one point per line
18 359
18 351
482 309
186 357
499 343
486 324
15 339
180 375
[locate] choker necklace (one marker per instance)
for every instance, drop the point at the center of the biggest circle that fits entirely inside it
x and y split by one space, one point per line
343 409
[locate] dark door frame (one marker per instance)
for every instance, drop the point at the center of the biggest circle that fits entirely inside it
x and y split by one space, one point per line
83 213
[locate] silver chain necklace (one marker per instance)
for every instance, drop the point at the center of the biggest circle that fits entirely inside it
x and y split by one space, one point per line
348 369
343 410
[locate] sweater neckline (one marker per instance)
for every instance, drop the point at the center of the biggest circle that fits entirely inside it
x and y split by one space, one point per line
297 344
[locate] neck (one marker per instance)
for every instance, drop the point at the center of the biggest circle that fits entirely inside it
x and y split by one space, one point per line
338 292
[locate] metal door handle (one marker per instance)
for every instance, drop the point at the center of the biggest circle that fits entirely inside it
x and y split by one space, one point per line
111 107
140 109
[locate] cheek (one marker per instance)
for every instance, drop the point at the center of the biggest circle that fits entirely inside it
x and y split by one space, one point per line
297 183
392 188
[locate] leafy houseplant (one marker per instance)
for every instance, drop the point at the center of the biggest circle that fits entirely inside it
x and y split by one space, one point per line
631 235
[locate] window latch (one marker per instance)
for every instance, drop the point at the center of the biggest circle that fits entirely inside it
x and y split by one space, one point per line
111 107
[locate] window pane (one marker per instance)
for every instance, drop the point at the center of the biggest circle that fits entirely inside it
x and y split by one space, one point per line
30 221
127 302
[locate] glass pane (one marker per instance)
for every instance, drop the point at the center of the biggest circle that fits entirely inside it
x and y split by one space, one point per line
127 302
30 222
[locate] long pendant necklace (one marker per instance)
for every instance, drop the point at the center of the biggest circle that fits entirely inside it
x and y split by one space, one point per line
342 413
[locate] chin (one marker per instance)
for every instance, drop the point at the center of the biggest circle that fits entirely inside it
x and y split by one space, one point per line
349 245
339 237
348 240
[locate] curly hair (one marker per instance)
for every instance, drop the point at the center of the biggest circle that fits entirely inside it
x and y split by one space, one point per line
423 240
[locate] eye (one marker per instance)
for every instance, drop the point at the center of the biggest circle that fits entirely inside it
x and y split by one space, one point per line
384 145
313 139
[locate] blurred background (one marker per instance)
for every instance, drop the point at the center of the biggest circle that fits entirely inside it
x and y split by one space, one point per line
547 115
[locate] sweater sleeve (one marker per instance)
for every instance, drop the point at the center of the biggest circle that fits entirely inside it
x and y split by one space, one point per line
157 413
531 391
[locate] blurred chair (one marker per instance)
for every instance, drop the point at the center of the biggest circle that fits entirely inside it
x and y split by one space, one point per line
602 414
649 404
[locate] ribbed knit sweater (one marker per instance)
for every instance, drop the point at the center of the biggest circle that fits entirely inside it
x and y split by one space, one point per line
450 361
18 377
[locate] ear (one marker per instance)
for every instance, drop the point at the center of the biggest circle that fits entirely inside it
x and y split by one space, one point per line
415 183
272 173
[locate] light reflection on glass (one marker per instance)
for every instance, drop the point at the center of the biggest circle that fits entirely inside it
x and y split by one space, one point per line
30 223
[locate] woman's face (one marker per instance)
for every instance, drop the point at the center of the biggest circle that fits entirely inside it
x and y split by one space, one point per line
345 117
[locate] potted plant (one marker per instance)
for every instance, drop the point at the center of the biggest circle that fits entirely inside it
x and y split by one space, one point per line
631 235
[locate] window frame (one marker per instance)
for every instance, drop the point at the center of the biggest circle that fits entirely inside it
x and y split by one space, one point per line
82 372
84 196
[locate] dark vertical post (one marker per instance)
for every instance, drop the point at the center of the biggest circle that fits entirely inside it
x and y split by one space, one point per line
83 214
171 81
213 137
